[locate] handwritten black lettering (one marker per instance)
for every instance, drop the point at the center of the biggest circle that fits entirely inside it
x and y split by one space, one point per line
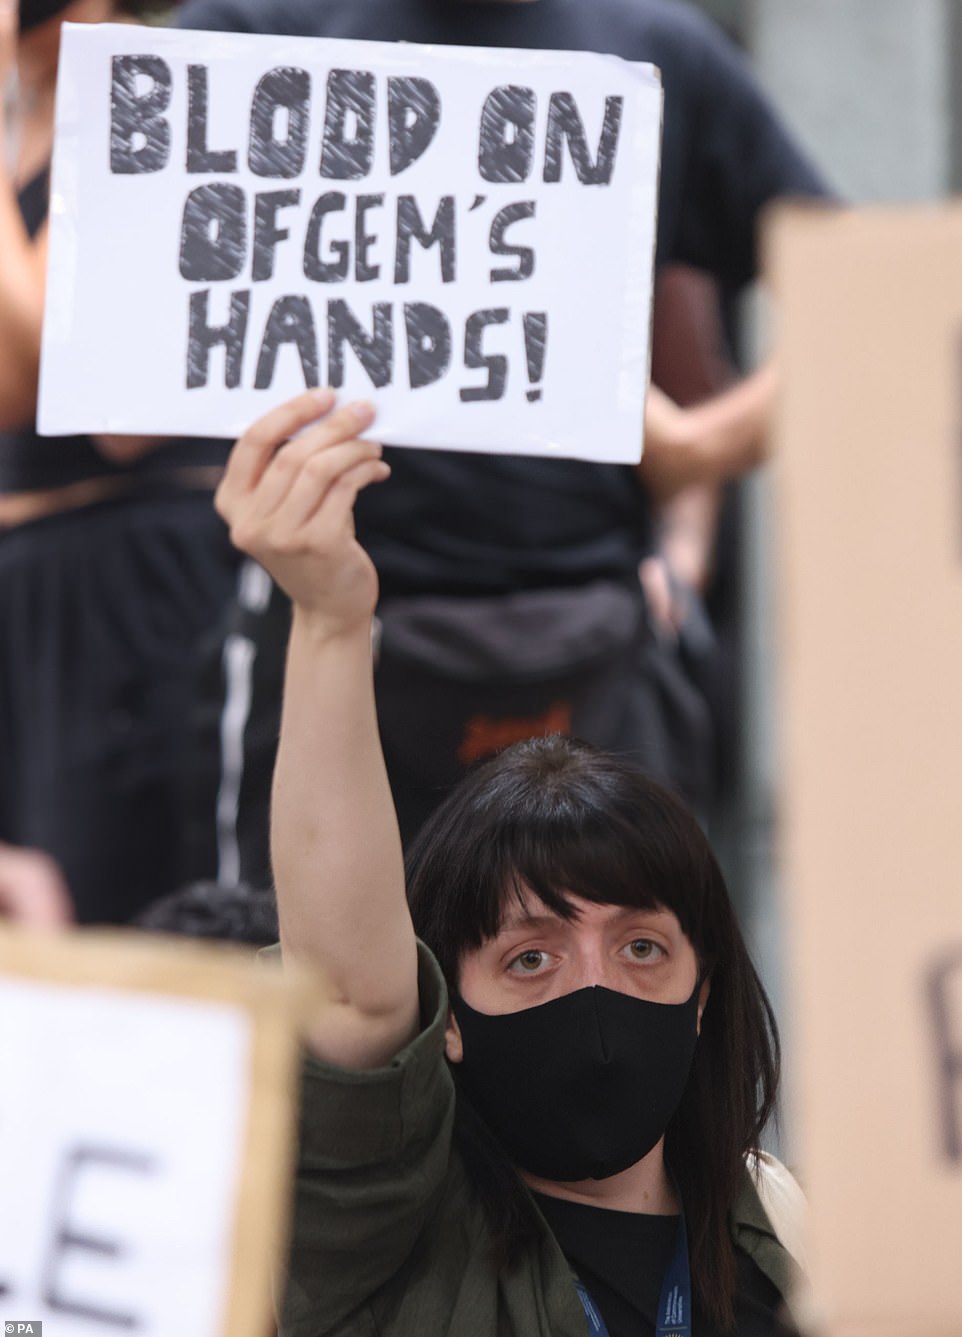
139 132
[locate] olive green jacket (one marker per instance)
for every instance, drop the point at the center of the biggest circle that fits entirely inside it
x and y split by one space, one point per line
389 1239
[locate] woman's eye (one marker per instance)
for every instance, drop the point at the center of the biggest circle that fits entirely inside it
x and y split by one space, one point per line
528 962
643 949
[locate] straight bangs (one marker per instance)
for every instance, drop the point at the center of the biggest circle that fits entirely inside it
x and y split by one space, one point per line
559 818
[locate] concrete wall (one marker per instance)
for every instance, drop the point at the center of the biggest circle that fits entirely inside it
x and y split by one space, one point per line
868 87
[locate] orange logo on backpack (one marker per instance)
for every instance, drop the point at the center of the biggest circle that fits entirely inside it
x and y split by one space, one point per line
484 734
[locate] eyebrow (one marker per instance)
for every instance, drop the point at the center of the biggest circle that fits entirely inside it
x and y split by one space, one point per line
528 921
523 920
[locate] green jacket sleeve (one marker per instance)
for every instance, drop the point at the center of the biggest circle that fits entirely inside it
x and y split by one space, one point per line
767 1241
374 1151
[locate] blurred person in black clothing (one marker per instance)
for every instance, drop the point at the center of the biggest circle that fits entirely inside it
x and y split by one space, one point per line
111 560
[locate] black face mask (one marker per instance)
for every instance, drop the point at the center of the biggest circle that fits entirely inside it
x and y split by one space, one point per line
583 1086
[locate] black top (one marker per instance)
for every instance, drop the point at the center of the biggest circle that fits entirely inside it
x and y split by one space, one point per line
30 462
461 524
622 1256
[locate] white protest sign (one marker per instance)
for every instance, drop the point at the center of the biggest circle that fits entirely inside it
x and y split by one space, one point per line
145 1136
465 236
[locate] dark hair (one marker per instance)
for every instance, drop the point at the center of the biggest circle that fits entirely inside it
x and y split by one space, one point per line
208 910
560 817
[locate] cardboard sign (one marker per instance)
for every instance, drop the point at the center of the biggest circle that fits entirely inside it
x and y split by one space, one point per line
465 236
869 476
145 1136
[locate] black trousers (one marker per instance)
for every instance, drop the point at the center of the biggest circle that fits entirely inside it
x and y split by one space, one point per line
100 613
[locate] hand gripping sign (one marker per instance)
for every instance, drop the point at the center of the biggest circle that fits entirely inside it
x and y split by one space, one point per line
145 1135
464 235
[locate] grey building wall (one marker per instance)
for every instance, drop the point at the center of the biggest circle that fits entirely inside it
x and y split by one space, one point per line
868 85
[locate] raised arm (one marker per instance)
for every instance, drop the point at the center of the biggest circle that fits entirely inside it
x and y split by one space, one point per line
288 496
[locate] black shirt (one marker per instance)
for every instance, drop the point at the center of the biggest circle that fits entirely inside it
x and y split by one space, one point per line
451 523
622 1257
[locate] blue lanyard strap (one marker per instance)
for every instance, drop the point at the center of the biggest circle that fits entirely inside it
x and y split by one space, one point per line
674 1306
596 1324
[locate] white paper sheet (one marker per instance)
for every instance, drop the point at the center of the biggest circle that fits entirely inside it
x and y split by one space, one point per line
121 1131
117 337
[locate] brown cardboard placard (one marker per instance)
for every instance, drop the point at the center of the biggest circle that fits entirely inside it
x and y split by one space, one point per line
869 493
117 971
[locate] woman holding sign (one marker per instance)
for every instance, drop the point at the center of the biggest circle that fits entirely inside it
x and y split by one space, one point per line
111 561
562 1147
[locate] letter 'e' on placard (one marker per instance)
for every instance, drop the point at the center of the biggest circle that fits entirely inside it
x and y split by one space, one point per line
465 236
146 1135
869 490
